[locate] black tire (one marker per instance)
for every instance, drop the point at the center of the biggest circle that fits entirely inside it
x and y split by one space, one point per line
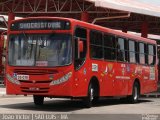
135 93
89 99
38 100
95 100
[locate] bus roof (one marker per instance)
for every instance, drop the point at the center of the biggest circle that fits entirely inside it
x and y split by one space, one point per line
95 27
114 32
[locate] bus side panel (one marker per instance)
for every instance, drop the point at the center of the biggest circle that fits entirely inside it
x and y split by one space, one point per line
99 70
107 72
138 73
81 80
146 76
104 72
149 79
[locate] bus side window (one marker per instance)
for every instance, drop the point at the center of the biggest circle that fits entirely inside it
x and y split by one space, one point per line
132 51
121 56
109 47
141 53
151 55
79 56
96 48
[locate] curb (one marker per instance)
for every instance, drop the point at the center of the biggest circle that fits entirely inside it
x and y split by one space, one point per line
12 96
2 91
2 94
151 95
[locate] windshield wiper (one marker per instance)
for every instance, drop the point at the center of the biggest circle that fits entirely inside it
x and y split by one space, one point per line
25 36
26 40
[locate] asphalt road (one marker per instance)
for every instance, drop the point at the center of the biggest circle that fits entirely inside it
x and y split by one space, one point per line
148 107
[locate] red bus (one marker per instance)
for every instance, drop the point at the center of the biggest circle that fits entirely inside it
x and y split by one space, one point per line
2 55
62 57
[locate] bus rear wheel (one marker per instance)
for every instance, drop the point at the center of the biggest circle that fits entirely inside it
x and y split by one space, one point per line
135 93
38 100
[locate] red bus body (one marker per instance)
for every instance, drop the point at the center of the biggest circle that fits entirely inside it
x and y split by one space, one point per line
2 56
114 78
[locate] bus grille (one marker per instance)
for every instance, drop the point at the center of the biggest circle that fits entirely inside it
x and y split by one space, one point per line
34 90
32 81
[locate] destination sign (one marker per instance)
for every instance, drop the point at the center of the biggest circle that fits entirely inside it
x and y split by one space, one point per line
41 25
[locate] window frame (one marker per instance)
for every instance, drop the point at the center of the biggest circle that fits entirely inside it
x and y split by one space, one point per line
135 51
154 54
107 47
126 57
85 39
126 50
94 45
142 53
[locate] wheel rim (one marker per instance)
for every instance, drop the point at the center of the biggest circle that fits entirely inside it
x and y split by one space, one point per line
91 94
135 93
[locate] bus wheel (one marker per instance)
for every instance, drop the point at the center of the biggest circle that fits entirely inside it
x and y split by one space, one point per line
89 99
135 93
38 100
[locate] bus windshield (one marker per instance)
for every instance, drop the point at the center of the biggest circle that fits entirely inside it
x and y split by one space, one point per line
40 50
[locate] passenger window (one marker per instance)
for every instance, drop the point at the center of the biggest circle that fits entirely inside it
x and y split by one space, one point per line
151 55
132 50
121 50
96 38
109 41
109 47
141 53
96 48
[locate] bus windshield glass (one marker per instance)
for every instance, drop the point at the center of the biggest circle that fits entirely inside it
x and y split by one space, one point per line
40 50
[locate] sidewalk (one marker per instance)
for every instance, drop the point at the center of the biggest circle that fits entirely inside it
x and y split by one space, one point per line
2 91
149 95
154 94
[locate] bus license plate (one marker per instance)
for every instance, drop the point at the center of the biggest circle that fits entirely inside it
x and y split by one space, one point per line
22 77
34 88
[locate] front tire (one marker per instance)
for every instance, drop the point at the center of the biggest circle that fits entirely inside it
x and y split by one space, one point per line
90 97
135 93
38 100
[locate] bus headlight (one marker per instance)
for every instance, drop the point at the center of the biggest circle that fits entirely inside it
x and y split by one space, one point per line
12 80
62 79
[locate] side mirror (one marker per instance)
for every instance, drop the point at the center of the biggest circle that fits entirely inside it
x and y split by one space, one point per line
80 46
